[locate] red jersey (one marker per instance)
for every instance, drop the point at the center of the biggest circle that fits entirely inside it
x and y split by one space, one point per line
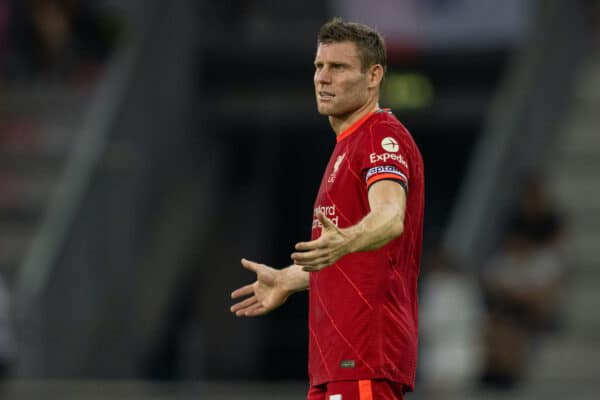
363 308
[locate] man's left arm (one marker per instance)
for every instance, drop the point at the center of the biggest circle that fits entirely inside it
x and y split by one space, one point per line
385 221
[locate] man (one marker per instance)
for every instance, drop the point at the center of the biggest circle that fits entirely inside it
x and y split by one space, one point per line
362 264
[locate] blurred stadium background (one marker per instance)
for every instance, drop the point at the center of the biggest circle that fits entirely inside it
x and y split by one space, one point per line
146 146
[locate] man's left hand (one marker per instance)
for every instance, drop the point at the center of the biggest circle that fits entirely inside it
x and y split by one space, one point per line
327 249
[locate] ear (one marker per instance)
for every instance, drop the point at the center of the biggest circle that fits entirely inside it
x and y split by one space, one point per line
375 75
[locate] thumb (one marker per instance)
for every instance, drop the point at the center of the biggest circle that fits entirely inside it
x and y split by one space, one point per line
251 265
326 222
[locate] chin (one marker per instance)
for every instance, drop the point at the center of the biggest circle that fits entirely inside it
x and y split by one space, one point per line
323 110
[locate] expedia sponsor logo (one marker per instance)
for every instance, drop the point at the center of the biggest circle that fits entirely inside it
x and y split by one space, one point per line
390 144
385 157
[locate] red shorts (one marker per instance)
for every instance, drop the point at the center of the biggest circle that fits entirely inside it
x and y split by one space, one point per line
357 390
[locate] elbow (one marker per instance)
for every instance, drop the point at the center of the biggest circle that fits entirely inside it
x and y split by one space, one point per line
395 228
398 222
398 229
394 232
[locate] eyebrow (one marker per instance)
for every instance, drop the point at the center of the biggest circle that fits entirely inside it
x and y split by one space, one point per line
335 63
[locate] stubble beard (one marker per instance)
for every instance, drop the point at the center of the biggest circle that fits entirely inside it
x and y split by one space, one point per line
324 109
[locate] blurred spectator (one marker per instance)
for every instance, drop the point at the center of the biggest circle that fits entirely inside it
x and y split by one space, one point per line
522 287
450 327
56 39
535 218
539 222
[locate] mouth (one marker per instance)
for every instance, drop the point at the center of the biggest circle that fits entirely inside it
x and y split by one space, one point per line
325 95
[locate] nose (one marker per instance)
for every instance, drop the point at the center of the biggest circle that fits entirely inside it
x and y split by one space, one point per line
322 75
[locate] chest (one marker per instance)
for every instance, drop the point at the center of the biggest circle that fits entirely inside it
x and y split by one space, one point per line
342 195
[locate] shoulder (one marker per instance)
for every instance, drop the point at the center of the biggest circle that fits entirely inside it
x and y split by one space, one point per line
385 131
386 123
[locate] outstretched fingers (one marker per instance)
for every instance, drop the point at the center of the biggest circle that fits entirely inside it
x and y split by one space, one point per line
243 291
317 264
312 245
250 307
251 265
263 295
308 257
254 311
249 302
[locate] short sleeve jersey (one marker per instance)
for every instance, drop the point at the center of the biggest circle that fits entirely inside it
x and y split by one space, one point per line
363 308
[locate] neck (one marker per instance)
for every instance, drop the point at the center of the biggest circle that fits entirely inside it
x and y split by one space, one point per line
343 122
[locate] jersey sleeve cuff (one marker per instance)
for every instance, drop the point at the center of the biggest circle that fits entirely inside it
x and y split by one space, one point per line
391 177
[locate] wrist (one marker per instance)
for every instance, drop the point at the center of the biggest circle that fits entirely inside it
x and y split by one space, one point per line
351 236
294 279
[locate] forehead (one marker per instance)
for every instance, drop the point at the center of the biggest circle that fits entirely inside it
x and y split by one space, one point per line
337 51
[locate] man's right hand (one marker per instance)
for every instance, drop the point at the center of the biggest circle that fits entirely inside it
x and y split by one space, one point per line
264 295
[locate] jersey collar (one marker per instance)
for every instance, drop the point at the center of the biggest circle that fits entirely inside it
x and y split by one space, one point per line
352 128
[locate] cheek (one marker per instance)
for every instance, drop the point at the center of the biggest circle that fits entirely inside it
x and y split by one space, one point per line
356 90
